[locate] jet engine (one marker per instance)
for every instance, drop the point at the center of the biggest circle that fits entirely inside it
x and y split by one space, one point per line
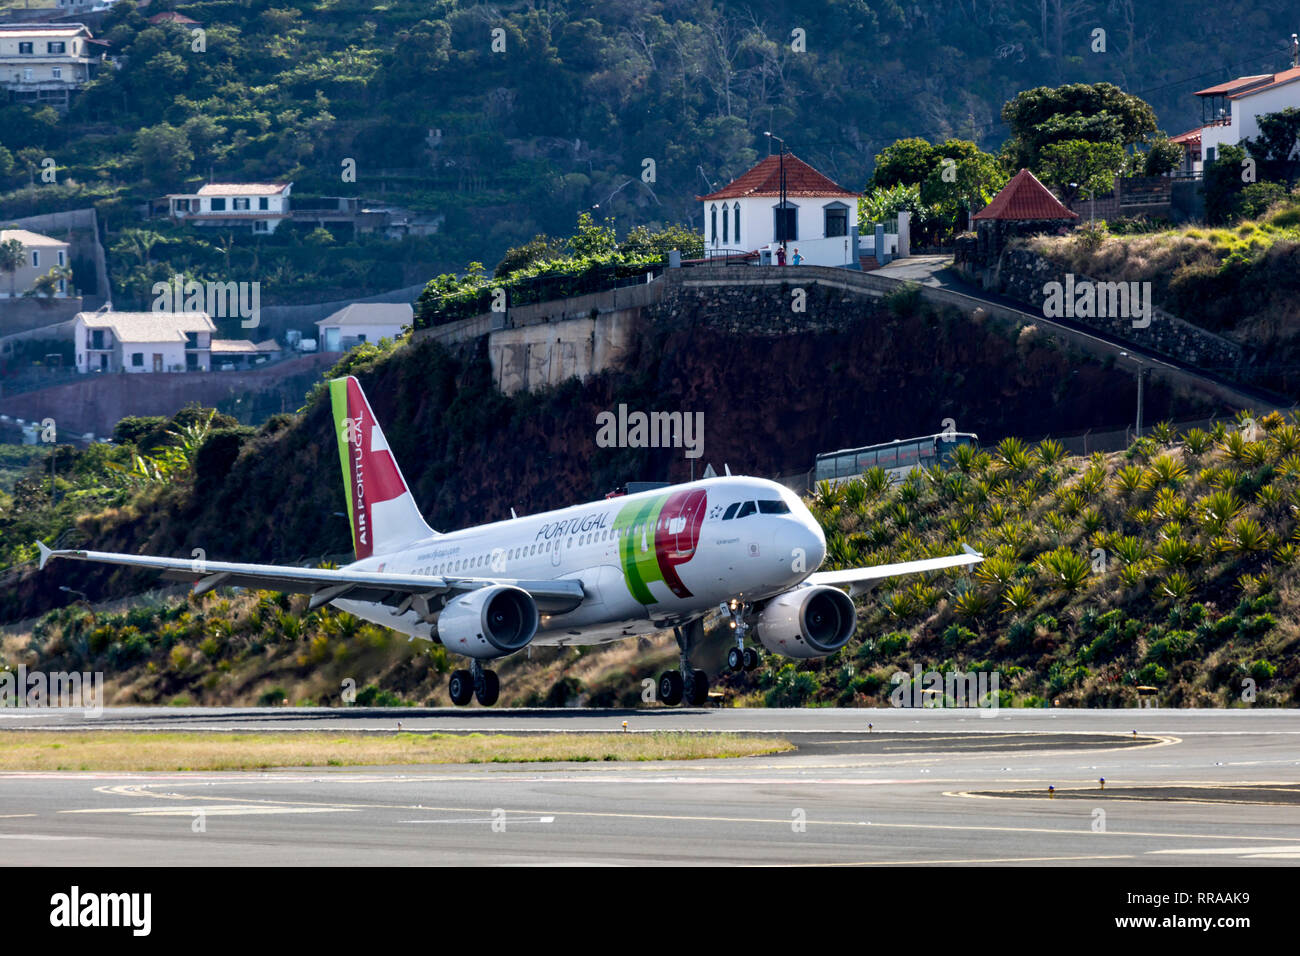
489 621
807 622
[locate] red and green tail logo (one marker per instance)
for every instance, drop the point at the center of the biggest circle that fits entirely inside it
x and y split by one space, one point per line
657 534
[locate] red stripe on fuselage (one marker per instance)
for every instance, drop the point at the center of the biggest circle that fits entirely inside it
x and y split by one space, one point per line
674 548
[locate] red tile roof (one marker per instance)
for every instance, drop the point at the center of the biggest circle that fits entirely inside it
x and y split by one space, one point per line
1277 79
1234 86
1191 138
1025 198
765 180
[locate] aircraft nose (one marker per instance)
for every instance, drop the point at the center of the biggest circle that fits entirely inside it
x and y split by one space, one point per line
814 544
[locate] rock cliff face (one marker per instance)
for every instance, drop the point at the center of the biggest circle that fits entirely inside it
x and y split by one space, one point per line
775 387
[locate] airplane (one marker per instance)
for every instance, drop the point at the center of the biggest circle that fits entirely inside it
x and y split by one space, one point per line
621 567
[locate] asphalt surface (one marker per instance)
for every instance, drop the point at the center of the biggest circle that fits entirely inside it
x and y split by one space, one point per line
919 787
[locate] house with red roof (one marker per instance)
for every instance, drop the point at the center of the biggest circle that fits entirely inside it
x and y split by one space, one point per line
746 217
1024 207
1230 111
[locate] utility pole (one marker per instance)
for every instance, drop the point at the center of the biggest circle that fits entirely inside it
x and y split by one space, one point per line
781 218
1141 374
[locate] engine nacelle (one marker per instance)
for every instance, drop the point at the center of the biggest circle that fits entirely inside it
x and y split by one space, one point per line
807 622
489 621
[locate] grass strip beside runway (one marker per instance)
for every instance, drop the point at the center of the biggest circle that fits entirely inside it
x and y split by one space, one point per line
115 750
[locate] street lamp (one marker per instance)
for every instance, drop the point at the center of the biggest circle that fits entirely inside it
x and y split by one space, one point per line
782 214
65 588
1141 373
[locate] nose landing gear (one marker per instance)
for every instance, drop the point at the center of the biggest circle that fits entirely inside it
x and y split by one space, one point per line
740 657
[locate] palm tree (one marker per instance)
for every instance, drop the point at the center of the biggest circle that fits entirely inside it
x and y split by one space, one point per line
12 258
48 284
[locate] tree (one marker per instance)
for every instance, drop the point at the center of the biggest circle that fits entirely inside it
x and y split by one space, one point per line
1164 156
906 161
12 258
48 284
164 153
1223 181
1078 166
964 176
1278 142
592 239
1097 113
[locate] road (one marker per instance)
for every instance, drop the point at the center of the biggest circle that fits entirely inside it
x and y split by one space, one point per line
919 787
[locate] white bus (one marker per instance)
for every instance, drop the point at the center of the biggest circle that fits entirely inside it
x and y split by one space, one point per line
898 458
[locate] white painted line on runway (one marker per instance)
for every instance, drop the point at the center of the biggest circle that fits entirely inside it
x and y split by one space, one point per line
230 810
42 836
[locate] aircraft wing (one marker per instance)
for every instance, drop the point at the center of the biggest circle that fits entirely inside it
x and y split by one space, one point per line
325 584
861 580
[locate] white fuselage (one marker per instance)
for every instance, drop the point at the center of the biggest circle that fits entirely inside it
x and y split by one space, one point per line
646 561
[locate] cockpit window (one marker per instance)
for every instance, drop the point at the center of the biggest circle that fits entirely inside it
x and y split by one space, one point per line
731 511
746 509
777 507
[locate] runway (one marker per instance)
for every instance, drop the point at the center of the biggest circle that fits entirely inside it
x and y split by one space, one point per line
919 787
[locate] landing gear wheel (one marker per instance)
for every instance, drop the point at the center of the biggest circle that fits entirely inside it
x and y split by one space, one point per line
461 687
489 690
671 686
736 659
699 689
752 659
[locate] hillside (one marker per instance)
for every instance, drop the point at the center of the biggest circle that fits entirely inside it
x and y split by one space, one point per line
1240 281
1172 564
513 134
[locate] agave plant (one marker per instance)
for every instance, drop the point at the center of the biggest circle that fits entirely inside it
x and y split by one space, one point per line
1132 575
1176 585
1237 449
1169 504
1072 501
1093 481
1064 569
1289 467
1163 432
1128 480
1163 470
1091 521
1175 553
972 603
1197 441
1248 535
1017 598
1131 550
1013 455
1216 509
1284 440
1049 452
996 570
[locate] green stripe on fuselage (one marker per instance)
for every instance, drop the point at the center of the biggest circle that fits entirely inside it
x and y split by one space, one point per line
637 551
339 405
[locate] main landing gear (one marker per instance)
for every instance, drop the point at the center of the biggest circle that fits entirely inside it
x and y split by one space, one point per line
686 684
740 657
477 682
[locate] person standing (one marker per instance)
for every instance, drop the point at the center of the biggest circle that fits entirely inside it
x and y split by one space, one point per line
798 259
780 255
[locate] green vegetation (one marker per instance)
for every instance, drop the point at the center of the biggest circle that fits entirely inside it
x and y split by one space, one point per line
119 751
1240 281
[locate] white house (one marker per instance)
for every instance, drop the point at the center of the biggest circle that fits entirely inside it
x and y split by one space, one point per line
363 322
40 255
1230 111
819 216
259 207
45 62
143 341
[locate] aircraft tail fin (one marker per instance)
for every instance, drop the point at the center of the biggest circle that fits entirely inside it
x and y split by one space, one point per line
381 508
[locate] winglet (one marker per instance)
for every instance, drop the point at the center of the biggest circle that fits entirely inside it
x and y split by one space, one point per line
45 553
971 551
